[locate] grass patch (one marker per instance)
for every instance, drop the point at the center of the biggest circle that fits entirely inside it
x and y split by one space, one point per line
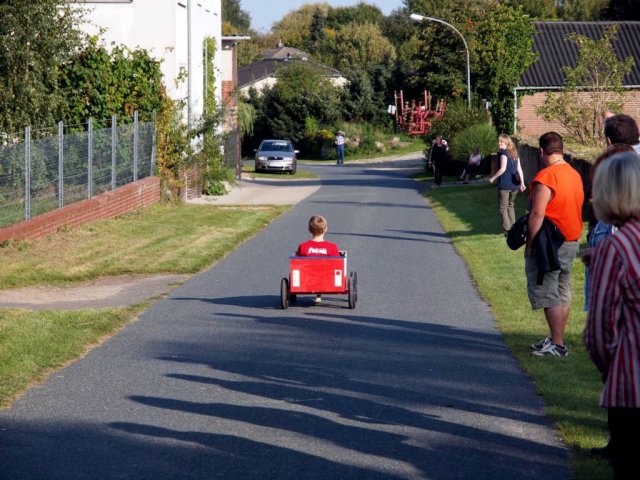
165 238
570 386
33 344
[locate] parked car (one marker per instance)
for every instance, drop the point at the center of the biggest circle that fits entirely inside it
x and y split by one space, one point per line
276 155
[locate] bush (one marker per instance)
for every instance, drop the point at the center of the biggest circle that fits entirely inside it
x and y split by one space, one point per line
481 135
457 118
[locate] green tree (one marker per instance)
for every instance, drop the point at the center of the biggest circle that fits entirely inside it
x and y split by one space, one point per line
300 93
295 28
234 19
36 38
582 10
504 50
360 13
362 47
97 83
538 9
592 88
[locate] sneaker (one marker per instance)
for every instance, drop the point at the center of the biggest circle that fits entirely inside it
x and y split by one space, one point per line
541 344
318 299
552 350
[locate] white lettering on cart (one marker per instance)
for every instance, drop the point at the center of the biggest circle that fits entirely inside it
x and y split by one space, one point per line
337 274
295 278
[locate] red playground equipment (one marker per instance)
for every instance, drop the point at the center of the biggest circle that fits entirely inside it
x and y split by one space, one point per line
414 118
318 275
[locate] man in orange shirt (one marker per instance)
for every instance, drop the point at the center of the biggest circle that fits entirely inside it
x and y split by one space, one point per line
558 195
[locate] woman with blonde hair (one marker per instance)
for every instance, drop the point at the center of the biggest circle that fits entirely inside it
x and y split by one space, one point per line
509 179
612 332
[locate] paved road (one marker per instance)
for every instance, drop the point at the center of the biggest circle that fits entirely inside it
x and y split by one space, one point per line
217 382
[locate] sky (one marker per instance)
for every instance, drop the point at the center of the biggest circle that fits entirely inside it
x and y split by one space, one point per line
265 12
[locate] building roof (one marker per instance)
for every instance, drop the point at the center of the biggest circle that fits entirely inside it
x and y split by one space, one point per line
284 53
266 68
556 51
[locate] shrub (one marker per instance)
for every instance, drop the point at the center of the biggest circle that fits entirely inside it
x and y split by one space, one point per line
481 135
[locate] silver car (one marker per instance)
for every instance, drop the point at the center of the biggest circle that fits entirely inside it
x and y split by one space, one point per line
276 155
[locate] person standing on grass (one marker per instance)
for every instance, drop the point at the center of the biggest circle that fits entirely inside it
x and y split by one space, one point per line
509 179
557 196
612 332
621 128
439 155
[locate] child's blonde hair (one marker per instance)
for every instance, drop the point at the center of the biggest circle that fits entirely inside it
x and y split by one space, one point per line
317 225
511 148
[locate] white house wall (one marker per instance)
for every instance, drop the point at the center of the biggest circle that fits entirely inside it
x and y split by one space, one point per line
161 28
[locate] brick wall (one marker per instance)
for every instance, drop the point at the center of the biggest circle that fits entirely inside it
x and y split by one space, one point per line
228 99
531 125
107 205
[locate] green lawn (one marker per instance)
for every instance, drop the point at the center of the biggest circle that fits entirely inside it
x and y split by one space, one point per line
165 238
570 387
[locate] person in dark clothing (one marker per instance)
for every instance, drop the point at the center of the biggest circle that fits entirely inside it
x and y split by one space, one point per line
439 155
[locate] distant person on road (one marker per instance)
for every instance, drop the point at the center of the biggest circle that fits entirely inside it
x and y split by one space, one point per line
339 142
439 155
556 206
318 246
612 332
473 165
509 179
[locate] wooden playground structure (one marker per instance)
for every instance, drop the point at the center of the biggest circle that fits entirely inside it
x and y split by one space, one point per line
414 117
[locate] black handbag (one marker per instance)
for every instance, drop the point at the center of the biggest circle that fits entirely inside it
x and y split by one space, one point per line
517 234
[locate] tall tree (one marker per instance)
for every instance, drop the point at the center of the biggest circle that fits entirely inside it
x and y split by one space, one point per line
582 10
36 38
504 50
592 88
234 19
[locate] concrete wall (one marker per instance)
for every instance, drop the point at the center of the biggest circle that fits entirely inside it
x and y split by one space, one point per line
105 206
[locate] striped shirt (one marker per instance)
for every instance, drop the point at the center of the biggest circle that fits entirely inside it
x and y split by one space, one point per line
612 332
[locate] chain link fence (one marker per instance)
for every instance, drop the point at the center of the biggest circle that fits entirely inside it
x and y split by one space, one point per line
45 170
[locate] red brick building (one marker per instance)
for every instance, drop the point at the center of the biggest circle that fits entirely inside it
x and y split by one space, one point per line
555 52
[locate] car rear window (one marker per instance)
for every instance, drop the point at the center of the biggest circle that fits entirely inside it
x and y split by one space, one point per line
276 146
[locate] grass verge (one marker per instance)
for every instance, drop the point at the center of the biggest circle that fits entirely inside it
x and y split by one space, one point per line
165 238
570 387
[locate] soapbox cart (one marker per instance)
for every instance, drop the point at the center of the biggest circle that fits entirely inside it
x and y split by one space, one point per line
318 275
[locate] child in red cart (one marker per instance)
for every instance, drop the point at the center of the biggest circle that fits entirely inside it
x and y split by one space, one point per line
318 246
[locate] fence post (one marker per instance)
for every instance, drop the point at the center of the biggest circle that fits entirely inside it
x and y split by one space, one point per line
135 146
60 164
90 159
152 170
114 139
27 173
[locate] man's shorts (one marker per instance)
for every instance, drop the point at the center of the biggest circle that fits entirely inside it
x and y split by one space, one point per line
555 290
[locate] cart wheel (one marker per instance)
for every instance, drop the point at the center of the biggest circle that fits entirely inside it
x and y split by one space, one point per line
354 275
284 293
352 293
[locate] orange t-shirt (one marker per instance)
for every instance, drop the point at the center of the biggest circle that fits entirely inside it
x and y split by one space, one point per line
565 207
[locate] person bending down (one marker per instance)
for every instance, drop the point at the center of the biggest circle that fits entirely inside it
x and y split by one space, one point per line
318 246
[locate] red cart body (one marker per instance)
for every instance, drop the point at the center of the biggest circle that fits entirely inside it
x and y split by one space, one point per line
318 275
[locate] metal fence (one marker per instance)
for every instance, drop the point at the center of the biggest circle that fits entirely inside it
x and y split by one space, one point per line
39 175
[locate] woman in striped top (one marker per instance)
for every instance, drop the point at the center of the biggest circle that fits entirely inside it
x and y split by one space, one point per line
612 332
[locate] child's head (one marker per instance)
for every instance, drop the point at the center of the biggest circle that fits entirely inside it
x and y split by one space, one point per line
317 225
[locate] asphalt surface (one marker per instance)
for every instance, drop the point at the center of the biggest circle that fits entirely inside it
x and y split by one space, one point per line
216 381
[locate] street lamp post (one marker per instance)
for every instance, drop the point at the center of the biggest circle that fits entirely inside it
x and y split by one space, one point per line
420 18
